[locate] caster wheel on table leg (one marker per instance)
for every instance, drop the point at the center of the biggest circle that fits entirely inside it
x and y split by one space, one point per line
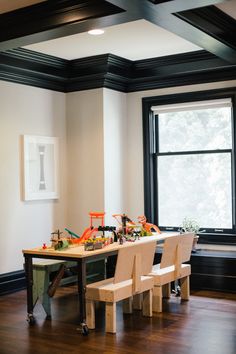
31 319
84 329
178 291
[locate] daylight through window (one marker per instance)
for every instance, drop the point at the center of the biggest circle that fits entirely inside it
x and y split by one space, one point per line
193 152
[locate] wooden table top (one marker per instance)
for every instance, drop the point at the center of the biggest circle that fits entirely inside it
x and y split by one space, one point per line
75 251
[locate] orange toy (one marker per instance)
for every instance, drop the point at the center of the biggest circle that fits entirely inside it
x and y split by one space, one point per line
91 230
147 226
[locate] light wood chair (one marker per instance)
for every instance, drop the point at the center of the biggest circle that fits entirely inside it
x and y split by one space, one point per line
133 264
176 251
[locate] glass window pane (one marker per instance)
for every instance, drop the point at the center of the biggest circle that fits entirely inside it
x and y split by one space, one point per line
196 186
206 129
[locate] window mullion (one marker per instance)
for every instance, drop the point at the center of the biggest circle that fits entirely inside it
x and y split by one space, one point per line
194 152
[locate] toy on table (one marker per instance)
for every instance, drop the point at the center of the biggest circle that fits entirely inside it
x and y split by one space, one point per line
97 243
91 231
91 237
148 226
73 238
58 242
128 230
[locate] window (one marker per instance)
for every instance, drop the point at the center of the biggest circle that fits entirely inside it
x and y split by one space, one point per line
191 164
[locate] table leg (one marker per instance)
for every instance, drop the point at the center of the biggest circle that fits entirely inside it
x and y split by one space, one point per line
82 290
29 288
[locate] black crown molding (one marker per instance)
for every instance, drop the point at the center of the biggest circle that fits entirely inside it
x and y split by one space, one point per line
107 70
35 69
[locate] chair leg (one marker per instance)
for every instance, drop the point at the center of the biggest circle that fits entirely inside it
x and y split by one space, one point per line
157 299
127 305
166 290
111 317
137 301
147 303
90 314
185 292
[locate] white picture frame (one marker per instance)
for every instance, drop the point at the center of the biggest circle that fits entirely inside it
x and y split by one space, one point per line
41 167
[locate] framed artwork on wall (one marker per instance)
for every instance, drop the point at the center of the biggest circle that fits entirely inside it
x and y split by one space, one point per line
41 172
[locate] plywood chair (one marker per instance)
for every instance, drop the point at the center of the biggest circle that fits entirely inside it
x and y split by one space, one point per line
133 263
176 251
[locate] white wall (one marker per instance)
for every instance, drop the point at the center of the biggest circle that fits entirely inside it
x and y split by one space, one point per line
115 149
85 156
101 160
33 111
96 134
134 170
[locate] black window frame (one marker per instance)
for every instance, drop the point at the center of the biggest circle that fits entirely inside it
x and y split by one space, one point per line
150 124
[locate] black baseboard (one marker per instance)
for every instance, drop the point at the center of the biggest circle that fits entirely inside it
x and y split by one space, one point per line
12 282
212 282
211 270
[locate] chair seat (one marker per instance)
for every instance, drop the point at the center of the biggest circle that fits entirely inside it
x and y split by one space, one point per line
168 274
132 266
107 291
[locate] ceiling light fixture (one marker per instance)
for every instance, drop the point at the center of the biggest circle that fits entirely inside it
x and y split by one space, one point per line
96 32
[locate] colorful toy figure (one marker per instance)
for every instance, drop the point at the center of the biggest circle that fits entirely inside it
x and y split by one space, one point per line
131 231
147 226
126 224
128 230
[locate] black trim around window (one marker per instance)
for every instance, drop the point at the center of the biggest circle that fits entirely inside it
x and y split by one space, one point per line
150 140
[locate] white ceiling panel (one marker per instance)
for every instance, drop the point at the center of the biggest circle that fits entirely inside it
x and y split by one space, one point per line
134 40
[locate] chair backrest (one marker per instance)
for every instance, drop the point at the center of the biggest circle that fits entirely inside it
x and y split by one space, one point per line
176 250
134 261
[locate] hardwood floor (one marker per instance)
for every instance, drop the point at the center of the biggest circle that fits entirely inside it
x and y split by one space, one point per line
204 325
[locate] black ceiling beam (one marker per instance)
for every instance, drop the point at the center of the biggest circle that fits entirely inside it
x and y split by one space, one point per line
184 5
169 6
212 21
203 38
195 35
163 15
52 19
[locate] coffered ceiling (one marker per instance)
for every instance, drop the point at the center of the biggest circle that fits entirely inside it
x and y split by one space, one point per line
147 44
134 29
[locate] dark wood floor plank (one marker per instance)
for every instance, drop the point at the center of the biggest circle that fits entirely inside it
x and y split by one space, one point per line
205 324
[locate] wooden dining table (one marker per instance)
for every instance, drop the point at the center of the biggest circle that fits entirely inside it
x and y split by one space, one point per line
79 255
